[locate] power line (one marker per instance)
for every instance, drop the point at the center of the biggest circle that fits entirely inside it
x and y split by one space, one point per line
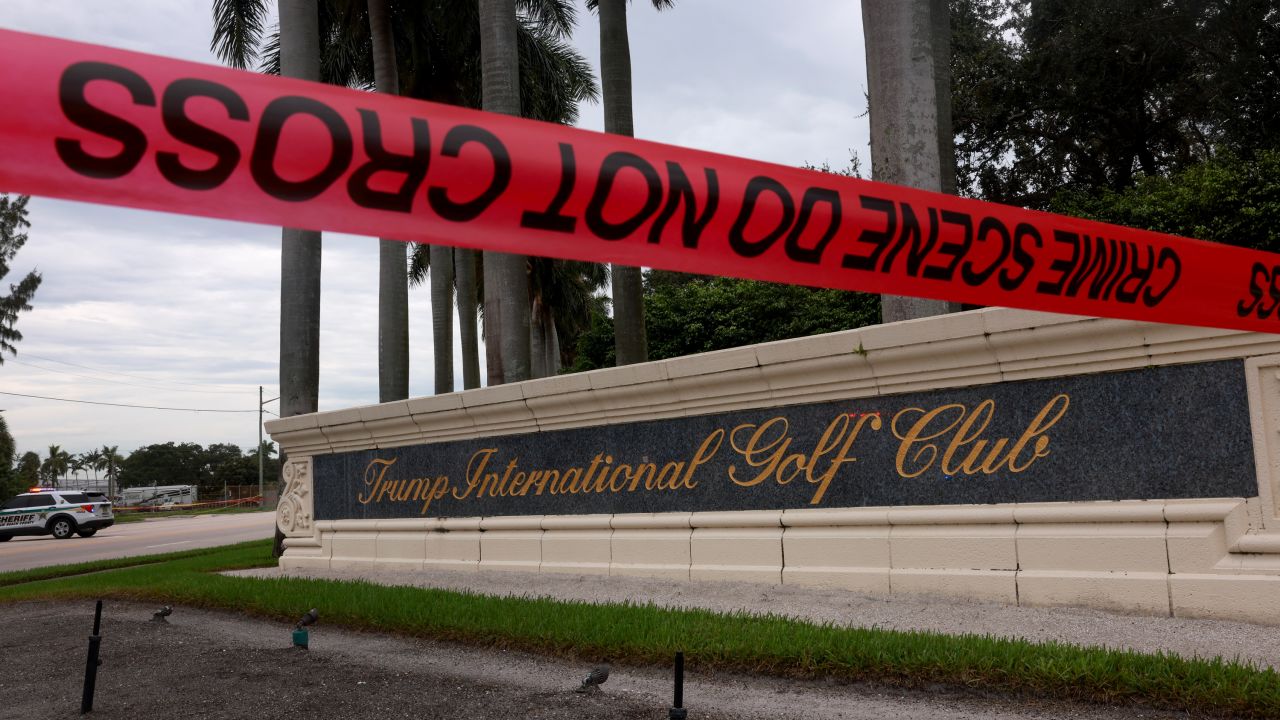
139 407
121 382
107 372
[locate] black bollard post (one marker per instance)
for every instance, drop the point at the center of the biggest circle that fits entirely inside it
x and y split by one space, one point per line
92 663
677 711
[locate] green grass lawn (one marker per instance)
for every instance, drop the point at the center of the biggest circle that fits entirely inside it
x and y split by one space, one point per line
128 516
644 634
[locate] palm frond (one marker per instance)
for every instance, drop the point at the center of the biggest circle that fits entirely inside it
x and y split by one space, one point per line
237 31
594 5
554 78
557 17
419 264
270 63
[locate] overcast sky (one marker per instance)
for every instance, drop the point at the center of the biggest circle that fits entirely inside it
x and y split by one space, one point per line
163 310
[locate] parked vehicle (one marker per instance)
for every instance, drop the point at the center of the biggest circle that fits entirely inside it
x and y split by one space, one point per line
156 495
60 513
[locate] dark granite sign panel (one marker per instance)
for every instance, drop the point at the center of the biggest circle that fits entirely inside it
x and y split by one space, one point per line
1164 432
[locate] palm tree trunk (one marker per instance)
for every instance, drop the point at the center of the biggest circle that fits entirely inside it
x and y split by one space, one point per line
553 349
908 51
442 279
537 341
300 249
464 262
506 279
940 15
393 278
615 79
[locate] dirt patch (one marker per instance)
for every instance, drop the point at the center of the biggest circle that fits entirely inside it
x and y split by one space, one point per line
221 665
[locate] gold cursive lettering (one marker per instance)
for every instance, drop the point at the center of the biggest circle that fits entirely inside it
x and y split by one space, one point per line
375 474
475 472
438 490
705 452
1039 425
964 431
917 435
765 448
836 431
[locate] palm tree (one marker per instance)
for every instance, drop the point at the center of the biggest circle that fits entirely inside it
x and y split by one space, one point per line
908 71
300 249
457 271
393 287
436 49
562 293
506 280
615 79
464 280
55 466
238 26
237 39
78 465
442 283
111 461
93 459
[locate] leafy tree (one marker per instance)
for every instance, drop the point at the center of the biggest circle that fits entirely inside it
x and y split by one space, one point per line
28 470
219 453
698 314
166 464
692 313
1078 95
243 469
595 347
1225 199
10 483
219 460
270 463
13 223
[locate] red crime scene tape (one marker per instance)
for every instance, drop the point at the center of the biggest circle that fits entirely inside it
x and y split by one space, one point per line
101 125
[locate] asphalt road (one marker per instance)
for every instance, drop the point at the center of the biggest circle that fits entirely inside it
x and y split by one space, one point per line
148 537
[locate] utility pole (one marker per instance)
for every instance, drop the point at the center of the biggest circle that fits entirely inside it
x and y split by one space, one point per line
261 405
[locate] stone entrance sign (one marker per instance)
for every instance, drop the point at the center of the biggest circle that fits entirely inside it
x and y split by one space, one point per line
1179 431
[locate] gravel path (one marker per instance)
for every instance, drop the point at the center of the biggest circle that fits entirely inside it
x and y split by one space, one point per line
1254 644
218 666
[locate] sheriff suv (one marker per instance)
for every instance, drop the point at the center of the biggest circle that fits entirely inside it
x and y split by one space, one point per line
60 513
